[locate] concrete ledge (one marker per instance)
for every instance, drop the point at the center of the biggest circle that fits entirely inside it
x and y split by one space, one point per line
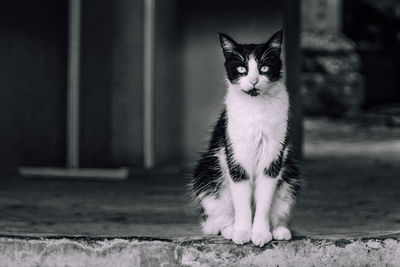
15 250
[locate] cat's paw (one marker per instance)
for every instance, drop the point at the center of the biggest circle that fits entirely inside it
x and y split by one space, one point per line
282 233
241 236
227 232
261 238
210 229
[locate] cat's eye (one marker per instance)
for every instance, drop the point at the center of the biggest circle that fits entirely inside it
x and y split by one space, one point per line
241 69
264 69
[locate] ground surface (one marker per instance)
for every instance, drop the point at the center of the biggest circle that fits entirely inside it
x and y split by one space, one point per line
352 185
211 251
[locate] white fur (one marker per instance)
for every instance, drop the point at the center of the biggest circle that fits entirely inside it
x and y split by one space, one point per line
218 218
281 206
264 191
252 79
256 127
220 213
219 210
241 198
282 233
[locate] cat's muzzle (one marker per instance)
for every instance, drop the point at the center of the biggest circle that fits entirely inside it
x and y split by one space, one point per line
253 92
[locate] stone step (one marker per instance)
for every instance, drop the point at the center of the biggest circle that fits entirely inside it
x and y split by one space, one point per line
46 250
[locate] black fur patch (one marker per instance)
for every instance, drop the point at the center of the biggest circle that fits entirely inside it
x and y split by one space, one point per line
265 54
208 173
291 175
237 172
275 168
218 138
203 213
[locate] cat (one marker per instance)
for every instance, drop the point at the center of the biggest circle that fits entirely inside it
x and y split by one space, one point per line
245 184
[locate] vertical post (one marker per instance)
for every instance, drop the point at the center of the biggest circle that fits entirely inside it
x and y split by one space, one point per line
292 47
148 83
73 84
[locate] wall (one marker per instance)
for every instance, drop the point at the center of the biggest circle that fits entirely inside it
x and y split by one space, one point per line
96 82
33 53
112 83
169 106
127 83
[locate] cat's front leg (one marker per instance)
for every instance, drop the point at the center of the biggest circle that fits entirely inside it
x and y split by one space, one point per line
241 198
263 195
241 192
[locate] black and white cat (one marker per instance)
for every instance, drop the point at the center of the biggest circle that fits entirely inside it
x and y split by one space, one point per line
245 183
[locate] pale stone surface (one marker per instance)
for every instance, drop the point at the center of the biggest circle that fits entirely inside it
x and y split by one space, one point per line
84 251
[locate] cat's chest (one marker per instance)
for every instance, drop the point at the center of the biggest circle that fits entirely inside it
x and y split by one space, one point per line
256 128
257 131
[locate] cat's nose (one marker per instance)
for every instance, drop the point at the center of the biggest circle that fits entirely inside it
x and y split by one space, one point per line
254 81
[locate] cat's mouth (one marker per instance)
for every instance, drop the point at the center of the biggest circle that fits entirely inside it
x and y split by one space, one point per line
253 92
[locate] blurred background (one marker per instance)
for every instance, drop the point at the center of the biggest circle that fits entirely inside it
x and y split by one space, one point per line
342 61
187 71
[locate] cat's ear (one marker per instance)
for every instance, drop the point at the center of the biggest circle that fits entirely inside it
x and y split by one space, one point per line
274 44
227 43
276 40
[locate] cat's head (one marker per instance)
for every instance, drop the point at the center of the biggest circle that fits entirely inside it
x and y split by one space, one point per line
253 68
